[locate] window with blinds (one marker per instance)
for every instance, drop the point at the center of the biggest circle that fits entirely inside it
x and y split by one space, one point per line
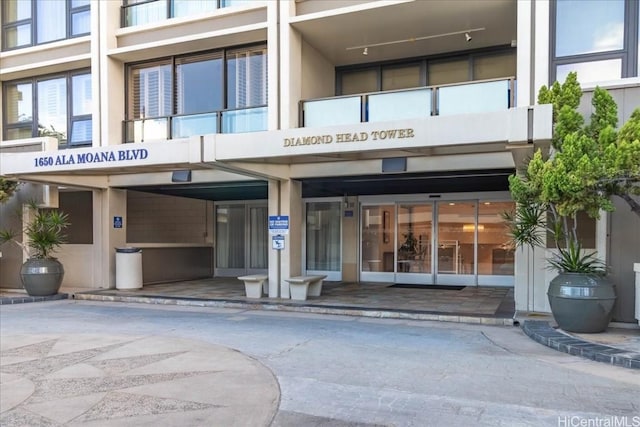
27 23
217 91
58 106
150 91
247 78
196 83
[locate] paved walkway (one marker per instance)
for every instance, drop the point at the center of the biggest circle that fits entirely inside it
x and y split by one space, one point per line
116 380
490 306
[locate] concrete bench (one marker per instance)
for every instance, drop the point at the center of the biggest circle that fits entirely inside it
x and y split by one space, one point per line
302 286
255 285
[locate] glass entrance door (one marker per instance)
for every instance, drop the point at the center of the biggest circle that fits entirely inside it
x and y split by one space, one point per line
413 244
241 239
456 243
378 243
323 239
396 242
443 243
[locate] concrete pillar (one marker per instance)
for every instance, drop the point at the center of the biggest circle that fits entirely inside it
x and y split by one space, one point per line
290 67
114 204
291 256
274 255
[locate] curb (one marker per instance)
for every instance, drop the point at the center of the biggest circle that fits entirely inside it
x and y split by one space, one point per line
542 332
26 299
307 308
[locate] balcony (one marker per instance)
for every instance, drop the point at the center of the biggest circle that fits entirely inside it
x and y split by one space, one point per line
186 125
146 12
469 97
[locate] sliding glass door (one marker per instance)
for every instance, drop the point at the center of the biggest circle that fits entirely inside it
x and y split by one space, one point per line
413 243
437 243
456 244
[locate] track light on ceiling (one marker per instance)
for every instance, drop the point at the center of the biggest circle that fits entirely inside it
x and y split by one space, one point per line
365 51
467 34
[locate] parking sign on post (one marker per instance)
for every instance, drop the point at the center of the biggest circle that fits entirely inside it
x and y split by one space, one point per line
278 224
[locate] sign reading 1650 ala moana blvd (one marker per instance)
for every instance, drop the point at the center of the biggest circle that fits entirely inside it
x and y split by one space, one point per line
75 158
101 158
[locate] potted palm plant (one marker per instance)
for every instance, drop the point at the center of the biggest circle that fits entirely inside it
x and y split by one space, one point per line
42 273
585 166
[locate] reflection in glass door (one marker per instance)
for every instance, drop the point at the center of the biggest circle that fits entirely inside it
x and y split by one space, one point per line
377 251
455 260
323 239
241 239
413 243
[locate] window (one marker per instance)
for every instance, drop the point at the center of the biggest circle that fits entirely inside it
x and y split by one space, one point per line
432 71
140 12
246 77
359 81
401 77
27 23
199 84
58 106
589 38
183 96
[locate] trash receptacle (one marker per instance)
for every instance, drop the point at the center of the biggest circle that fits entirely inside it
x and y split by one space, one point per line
128 268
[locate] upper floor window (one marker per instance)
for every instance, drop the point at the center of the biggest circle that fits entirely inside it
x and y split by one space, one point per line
139 12
59 106
598 39
427 72
220 91
32 22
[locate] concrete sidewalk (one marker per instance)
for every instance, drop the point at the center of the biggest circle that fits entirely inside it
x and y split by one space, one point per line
616 346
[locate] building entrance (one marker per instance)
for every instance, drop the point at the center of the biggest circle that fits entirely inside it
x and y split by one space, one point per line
444 243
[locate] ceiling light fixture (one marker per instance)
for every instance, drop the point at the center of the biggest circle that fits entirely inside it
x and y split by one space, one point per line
466 32
365 51
467 37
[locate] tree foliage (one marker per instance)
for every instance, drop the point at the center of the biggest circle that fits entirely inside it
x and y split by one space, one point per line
7 188
586 166
45 232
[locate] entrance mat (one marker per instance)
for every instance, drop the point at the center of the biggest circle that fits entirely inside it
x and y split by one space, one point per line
439 287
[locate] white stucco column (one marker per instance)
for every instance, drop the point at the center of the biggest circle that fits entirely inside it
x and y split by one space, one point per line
290 67
291 256
274 255
114 204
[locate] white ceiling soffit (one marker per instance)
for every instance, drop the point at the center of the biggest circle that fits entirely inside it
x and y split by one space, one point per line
333 33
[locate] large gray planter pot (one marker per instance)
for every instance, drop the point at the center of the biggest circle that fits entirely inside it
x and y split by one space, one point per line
581 302
42 277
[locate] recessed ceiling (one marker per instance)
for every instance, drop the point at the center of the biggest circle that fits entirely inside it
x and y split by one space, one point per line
332 35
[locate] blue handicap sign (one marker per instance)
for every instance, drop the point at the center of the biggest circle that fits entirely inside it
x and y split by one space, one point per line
117 222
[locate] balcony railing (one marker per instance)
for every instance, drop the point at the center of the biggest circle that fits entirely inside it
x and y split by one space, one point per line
186 125
469 97
146 12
